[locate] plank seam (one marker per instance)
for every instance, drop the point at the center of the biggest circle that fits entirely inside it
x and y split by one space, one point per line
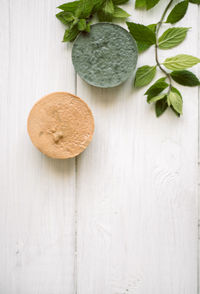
76 212
198 239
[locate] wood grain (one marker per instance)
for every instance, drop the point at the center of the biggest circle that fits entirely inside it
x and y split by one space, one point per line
127 206
137 215
37 194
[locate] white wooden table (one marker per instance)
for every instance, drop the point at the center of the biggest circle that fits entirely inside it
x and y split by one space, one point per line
123 216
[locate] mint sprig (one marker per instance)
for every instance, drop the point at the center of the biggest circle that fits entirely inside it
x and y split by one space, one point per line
162 93
77 15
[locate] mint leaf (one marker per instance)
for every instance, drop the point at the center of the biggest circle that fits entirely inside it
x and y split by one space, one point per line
151 3
144 75
195 1
142 46
74 23
141 33
152 27
120 13
102 16
84 9
178 12
172 37
140 4
175 100
70 34
107 11
109 7
173 89
97 4
180 62
185 78
82 25
119 2
156 88
156 98
70 6
65 17
161 106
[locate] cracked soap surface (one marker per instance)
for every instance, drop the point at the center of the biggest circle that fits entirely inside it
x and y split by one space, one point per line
61 125
106 56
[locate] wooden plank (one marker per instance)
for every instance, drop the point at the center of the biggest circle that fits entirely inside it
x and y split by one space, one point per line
37 197
198 269
137 187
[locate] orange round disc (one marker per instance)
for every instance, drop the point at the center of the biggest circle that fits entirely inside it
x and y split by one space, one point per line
61 125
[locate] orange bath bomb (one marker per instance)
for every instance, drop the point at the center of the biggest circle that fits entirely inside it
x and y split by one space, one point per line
61 125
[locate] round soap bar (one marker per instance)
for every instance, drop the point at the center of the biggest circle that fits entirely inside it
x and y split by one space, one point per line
61 125
106 56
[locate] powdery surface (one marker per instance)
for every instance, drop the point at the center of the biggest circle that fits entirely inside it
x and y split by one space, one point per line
61 125
106 56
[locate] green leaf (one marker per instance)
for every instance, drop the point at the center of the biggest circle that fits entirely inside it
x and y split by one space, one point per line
152 27
97 4
176 101
70 34
173 89
141 33
185 78
102 16
70 6
65 17
142 46
178 12
161 106
151 3
156 88
180 62
119 2
84 9
82 24
74 23
109 7
172 108
157 98
172 37
144 75
87 29
107 11
140 4
195 1
120 13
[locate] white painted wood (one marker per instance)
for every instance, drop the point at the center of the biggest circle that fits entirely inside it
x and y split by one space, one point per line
137 188
37 194
136 195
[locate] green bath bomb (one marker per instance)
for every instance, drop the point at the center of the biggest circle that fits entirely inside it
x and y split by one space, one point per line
105 57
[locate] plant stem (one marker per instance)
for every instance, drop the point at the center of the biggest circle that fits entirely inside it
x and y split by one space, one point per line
156 46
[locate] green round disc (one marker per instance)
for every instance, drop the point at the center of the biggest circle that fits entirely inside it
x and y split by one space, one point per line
106 56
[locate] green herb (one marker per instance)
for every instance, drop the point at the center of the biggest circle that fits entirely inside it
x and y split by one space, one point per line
172 37
195 1
140 4
178 12
162 92
151 3
144 75
181 61
156 88
77 15
185 78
